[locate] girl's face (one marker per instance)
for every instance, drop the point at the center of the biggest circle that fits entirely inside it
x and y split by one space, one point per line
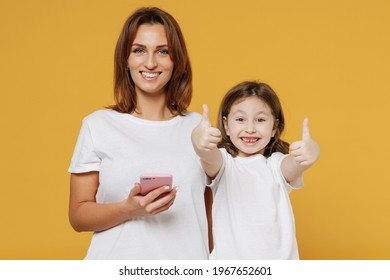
250 126
149 62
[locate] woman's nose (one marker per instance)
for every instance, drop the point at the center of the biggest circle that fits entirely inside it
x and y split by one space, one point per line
150 62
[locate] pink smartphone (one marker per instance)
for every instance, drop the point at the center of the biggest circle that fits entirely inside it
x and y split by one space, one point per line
151 181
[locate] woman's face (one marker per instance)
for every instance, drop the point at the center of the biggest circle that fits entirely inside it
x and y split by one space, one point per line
149 62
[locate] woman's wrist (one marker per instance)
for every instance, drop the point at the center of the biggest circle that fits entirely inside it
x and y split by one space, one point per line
127 210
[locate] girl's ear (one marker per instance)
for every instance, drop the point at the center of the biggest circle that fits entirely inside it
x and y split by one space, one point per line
276 124
225 125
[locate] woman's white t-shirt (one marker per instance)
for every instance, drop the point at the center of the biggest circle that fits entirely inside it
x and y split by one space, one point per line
252 214
121 147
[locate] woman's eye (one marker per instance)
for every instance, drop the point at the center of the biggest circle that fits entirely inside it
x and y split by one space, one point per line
138 51
163 51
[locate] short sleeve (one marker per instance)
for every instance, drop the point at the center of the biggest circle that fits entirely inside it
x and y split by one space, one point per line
275 162
84 157
214 183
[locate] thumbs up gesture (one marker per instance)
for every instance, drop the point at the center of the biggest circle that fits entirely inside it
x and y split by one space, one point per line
205 137
306 151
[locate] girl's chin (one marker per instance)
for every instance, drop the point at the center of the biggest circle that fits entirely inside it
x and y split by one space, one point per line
249 152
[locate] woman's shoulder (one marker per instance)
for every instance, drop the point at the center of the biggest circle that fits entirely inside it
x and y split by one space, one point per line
192 117
99 115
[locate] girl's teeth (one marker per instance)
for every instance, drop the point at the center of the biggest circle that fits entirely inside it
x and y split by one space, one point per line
249 140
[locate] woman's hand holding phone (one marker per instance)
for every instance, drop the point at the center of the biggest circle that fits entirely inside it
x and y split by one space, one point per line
155 201
152 181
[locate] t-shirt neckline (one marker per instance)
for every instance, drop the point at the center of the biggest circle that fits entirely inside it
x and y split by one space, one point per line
149 122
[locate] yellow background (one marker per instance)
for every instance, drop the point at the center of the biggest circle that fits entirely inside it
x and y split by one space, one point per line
328 60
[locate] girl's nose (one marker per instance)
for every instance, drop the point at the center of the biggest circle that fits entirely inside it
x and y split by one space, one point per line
250 128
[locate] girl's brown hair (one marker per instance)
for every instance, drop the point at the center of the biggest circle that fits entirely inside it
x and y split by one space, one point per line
267 95
179 88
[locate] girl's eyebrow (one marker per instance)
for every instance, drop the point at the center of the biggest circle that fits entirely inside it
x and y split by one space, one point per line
262 112
257 113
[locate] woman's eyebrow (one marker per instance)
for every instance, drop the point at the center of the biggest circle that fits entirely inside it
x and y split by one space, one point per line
143 46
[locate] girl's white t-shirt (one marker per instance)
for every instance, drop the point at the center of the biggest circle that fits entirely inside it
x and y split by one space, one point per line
252 213
121 147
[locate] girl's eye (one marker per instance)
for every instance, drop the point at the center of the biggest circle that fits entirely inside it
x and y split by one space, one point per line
239 119
261 120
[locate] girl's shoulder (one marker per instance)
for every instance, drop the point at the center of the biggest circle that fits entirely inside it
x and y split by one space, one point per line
276 159
277 155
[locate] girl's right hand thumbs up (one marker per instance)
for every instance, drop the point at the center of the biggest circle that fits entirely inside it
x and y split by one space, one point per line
205 115
205 137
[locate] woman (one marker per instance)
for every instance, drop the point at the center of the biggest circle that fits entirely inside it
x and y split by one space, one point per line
148 130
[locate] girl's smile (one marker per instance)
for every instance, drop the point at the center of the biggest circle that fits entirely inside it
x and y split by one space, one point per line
250 126
249 140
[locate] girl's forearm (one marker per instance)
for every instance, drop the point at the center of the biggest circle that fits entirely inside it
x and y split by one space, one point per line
211 162
291 169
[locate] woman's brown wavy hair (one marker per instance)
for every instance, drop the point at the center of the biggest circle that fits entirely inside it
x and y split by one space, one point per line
267 95
179 88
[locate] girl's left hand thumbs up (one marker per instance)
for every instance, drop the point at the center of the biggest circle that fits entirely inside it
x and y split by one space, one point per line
306 151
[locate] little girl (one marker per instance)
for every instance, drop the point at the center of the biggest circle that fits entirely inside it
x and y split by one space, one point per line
252 174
